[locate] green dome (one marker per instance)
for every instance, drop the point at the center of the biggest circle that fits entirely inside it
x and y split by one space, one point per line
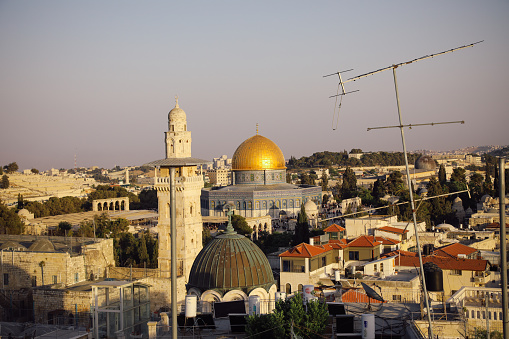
231 261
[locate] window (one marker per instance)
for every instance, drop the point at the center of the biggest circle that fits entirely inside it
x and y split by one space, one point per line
288 288
76 277
455 272
353 255
6 278
55 279
286 265
324 261
381 267
396 297
34 281
375 267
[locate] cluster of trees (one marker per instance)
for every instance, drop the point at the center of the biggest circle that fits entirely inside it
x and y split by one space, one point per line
141 251
54 206
327 159
10 168
10 223
129 250
290 319
432 211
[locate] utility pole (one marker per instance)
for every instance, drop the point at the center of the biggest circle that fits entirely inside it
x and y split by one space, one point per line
503 247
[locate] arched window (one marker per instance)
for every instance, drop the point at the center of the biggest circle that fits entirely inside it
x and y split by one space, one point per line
300 288
191 210
257 205
288 288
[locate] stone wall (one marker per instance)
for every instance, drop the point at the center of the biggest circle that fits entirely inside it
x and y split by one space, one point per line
73 304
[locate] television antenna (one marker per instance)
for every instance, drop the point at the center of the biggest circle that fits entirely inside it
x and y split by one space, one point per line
401 126
335 118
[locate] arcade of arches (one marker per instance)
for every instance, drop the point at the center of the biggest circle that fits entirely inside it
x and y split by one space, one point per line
111 204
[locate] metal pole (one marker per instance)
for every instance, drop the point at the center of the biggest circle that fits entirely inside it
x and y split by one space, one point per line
486 300
173 230
503 247
409 182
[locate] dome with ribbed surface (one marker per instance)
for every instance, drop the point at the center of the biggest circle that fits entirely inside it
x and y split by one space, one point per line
258 153
231 261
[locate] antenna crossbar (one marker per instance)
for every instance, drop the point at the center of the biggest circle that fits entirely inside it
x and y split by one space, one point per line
337 95
415 125
409 62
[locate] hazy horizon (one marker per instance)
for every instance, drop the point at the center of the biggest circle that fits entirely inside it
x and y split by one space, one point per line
97 79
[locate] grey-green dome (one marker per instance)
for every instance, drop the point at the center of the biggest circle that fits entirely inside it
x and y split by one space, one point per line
425 162
231 261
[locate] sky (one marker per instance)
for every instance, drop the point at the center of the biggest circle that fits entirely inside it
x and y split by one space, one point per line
96 79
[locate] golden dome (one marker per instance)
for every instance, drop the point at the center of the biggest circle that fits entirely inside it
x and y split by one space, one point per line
258 153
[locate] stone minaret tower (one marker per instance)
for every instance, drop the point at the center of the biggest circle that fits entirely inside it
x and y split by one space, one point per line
188 185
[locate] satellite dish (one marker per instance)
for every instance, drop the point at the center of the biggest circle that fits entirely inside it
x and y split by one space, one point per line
371 293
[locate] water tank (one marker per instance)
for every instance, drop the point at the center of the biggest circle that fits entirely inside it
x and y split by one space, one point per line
254 305
368 326
337 275
434 277
307 290
191 301
280 296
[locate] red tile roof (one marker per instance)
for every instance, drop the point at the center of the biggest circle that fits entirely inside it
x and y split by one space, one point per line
454 249
383 240
353 296
334 228
339 241
445 263
306 251
393 230
363 241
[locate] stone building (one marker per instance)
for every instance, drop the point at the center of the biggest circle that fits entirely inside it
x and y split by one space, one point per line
259 185
188 185
40 275
231 267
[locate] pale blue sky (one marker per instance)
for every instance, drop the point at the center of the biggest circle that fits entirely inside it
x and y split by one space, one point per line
98 78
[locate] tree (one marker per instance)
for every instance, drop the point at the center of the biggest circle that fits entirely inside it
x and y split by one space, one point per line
10 222
305 179
302 228
349 184
21 202
5 181
442 178
266 326
306 324
64 227
1 171
34 171
395 184
240 225
11 168
379 189
325 182
205 236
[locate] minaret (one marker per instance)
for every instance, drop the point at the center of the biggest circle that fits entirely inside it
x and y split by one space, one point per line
188 185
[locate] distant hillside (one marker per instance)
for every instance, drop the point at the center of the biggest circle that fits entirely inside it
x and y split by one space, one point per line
503 152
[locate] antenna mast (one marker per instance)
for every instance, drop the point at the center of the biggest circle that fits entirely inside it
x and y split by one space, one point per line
409 183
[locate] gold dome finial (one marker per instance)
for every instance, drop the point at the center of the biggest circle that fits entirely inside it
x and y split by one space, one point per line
256 128
176 101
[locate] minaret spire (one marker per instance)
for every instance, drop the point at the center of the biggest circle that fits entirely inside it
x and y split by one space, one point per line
256 128
176 101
